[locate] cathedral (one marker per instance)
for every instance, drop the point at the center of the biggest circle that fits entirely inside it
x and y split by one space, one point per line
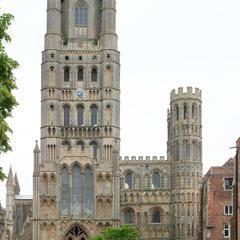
81 185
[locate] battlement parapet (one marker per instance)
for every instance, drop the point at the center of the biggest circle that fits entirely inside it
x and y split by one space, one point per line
190 92
140 158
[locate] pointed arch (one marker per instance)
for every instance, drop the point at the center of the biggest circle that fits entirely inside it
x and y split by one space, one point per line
65 193
156 180
94 109
80 73
80 114
76 189
66 76
88 192
81 14
66 115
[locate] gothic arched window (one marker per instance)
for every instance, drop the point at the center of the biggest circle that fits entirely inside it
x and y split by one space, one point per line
156 217
80 74
65 188
80 110
185 111
177 112
128 216
94 149
66 74
66 110
94 75
76 190
88 192
129 180
81 14
93 115
156 180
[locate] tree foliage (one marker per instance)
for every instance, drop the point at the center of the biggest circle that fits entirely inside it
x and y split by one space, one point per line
7 85
126 232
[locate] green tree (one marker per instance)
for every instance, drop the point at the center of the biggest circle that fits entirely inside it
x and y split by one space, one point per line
7 85
126 232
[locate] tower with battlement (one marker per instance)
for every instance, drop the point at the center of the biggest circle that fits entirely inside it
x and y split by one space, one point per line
81 185
76 168
185 153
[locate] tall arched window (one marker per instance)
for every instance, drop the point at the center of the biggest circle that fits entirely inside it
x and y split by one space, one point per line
94 74
129 181
156 180
177 112
128 216
94 149
93 115
80 74
76 190
81 14
66 110
185 111
65 188
80 110
66 74
88 192
156 217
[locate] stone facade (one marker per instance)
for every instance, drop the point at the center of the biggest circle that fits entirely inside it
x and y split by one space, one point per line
80 184
217 202
235 221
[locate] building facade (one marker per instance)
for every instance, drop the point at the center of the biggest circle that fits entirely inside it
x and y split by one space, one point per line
235 220
81 186
217 202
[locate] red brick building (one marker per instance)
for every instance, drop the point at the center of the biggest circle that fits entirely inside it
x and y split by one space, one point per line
235 221
217 204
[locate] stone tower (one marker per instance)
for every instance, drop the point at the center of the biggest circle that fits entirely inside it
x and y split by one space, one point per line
185 154
76 175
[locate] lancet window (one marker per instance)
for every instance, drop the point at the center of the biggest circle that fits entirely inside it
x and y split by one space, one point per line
81 14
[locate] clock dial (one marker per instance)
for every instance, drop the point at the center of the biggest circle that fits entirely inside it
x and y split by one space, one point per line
80 93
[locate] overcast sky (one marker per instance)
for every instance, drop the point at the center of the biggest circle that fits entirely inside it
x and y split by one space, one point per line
164 44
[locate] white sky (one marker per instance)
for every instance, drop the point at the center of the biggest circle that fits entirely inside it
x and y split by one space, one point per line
164 44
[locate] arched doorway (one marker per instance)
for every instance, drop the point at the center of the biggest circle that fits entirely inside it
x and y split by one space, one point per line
76 233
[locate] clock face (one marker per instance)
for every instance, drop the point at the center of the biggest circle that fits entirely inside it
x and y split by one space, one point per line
80 93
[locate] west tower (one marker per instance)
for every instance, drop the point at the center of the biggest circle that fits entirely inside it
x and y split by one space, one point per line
76 175
185 154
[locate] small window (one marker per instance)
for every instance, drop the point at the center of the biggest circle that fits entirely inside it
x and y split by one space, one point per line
228 210
228 183
94 75
93 115
80 74
177 112
128 181
94 149
80 110
185 111
128 216
66 116
66 74
226 230
156 217
155 180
